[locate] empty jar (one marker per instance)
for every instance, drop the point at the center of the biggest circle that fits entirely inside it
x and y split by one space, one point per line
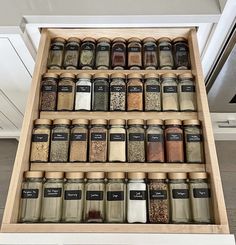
165 54
103 53
87 53
118 54
149 54
134 54
71 58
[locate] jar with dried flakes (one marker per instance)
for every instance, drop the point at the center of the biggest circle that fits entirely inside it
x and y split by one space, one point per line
149 54
87 53
103 53
71 58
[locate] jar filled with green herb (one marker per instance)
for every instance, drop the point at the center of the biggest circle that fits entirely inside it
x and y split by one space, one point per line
103 53
134 54
149 54
166 61
87 53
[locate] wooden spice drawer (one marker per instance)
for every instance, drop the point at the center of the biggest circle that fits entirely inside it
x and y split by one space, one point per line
32 112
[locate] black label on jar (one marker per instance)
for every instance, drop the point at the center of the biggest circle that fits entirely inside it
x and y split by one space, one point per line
83 89
49 88
170 89
201 192
94 195
155 138
29 193
73 195
78 137
87 46
103 48
118 88
165 48
72 47
188 88
137 195
56 47
150 48
134 49
136 137
52 192
120 48
59 136
153 88
100 88
181 47
194 137
135 89
158 194
65 88
174 137
98 136
115 196
117 137
180 193
39 138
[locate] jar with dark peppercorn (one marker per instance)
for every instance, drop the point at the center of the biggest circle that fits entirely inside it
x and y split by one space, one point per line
103 53
166 61
71 58
118 54
149 54
134 54
87 53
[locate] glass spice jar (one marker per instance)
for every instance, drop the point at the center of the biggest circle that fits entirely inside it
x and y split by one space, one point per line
158 198
116 198
87 53
117 141
60 140
136 140
118 54
73 198
155 141
40 140
98 140
71 58
193 141
149 54
152 92
94 210
166 61
56 53
103 53
117 92
66 92
174 141
31 196
49 92
52 197
79 140
134 54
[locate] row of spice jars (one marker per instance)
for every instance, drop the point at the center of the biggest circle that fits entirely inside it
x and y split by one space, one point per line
119 54
63 143
137 94
115 200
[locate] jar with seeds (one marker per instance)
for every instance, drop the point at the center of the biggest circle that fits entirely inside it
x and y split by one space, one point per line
149 54
166 61
71 58
103 53
134 54
118 54
87 53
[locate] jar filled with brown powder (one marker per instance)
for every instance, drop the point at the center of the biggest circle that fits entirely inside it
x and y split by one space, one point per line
134 54
118 54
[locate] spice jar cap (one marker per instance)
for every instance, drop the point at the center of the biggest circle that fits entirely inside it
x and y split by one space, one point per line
84 75
173 122
117 75
95 175
74 175
164 39
89 39
187 75
73 39
119 39
50 75
104 39
54 175
117 122
191 122
80 121
135 121
33 174
99 121
168 75
157 175
134 75
154 122
149 39
59 39
136 175
43 122
198 175
67 75
134 39
179 39
151 75
177 175
116 175
100 75
61 121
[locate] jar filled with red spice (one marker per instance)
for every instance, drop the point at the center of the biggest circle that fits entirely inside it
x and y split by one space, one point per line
118 54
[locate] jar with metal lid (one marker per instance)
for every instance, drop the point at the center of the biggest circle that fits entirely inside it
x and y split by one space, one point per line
94 210
135 92
136 140
169 92
149 54
100 92
83 92
31 196
118 54
49 92
179 198
73 198
52 200
71 58
117 141
134 54
155 141
98 140
56 53
200 194
79 140
166 61
187 94
66 92
116 198
193 141
40 140
174 141
136 198
103 53
60 140
181 53
158 198
87 53
152 92
117 92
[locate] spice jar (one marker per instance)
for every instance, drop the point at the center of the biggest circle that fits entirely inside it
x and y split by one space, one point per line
155 141
179 198
117 141
66 92
193 141
52 197
165 54
135 92
134 54
200 195
103 53
83 92
187 95
31 195
56 53
79 140
158 198
152 92
169 92
98 140
40 140
116 198
73 197
60 140
181 53
149 53
117 92
136 198
87 53
49 92
71 58
136 143
94 210
174 141
118 54
100 92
